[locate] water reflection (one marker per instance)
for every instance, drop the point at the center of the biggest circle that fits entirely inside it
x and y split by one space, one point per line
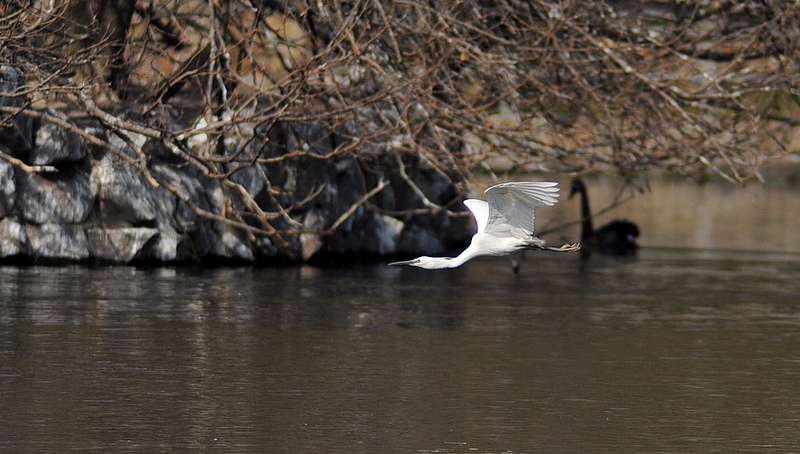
676 351
661 286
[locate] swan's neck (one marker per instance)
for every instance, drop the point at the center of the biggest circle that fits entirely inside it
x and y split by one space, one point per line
586 215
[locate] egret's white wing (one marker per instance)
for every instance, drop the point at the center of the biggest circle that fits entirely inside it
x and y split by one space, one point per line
480 210
513 203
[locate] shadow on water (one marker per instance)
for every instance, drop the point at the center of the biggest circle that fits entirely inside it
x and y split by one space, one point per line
674 351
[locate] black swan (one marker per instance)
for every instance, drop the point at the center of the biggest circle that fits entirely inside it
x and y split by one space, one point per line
615 238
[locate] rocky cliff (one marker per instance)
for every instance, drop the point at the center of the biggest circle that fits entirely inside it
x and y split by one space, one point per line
126 198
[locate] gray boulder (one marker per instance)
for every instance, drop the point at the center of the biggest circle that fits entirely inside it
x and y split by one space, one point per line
56 145
63 198
58 242
167 246
8 188
125 197
13 238
118 245
18 136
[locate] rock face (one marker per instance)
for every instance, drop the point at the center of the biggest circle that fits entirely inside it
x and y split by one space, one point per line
18 133
118 244
64 197
70 202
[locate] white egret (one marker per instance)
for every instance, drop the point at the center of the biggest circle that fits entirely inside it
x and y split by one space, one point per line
505 224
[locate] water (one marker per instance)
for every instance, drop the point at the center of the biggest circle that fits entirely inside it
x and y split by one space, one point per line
677 351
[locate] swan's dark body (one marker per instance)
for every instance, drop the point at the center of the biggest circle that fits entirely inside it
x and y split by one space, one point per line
615 238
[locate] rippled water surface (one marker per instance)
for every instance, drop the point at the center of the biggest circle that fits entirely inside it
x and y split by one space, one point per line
676 351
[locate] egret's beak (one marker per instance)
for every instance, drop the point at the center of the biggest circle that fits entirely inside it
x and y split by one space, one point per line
407 262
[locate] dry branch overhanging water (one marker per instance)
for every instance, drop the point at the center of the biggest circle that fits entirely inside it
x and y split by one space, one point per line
174 131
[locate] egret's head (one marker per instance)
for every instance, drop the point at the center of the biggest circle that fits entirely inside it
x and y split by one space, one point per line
430 263
416 262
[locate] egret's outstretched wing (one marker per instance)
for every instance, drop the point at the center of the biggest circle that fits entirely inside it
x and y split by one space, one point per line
513 203
480 210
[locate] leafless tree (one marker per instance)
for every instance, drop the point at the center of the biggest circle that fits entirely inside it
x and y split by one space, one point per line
404 87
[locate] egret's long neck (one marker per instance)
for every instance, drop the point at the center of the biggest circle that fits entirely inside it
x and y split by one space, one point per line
435 263
586 214
467 254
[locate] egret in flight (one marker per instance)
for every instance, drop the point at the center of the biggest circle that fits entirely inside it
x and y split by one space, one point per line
505 224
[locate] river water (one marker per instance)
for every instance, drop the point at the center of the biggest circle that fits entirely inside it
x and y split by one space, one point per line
678 350
675 351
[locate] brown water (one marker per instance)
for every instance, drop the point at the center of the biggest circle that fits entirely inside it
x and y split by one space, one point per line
677 351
